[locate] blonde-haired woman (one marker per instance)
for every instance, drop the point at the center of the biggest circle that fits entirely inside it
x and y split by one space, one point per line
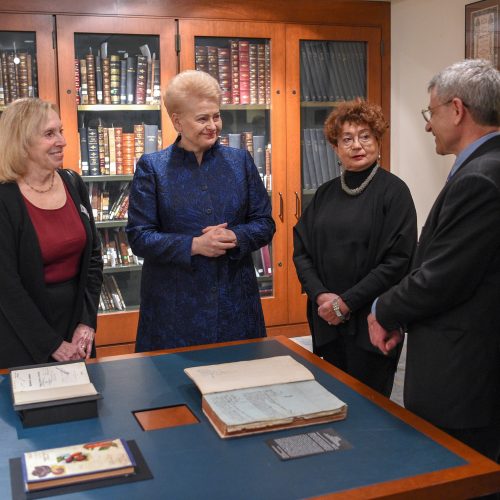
197 211
50 258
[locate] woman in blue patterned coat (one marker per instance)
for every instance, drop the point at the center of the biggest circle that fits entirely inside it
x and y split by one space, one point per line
197 211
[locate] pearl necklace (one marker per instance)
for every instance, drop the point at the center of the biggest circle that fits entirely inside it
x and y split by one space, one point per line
361 187
42 190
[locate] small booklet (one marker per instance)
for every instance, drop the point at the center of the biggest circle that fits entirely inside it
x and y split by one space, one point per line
76 464
260 395
50 382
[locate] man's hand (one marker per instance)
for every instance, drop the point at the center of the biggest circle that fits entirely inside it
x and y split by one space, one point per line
83 338
325 309
381 338
214 241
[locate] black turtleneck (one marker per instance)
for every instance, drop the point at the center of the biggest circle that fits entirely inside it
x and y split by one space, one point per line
354 178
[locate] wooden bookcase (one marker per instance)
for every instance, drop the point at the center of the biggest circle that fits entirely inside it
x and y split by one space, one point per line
285 25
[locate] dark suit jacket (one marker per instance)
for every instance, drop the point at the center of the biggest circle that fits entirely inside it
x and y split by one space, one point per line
450 302
25 335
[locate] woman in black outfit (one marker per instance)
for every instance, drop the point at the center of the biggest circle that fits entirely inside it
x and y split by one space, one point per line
50 258
354 241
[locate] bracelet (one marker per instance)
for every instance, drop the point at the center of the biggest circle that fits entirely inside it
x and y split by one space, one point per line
337 311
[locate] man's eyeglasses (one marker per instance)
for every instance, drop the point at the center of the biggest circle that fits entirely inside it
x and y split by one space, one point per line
427 113
364 139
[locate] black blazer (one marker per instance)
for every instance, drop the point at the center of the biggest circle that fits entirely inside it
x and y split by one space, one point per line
450 302
25 335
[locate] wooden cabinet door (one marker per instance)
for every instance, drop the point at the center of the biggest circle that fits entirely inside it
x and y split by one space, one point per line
324 64
71 27
252 117
38 30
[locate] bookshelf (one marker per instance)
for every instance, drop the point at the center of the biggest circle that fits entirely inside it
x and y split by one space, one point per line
27 58
289 118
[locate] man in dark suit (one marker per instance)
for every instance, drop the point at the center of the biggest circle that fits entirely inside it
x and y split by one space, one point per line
449 304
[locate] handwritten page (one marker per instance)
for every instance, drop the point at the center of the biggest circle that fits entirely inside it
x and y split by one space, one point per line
278 403
54 382
244 374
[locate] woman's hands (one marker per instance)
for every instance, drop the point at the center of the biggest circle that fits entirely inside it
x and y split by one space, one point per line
80 346
325 308
214 241
83 338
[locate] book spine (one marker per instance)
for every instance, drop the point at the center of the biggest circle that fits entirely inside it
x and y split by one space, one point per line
98 79
123 81
78 89
118 150
138 140
131 72
112 151
5 78
2 91
22 74
102 153
224 68
261 73
114 68
252 63
141 78
106 80
150 138
84 94
128 153
244 65
156 81
201 58
84 151
91 79
93 147
213 63
235 71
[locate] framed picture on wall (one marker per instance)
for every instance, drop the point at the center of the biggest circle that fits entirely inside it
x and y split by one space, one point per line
482 31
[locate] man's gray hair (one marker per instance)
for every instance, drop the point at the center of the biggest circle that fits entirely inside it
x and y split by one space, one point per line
477 83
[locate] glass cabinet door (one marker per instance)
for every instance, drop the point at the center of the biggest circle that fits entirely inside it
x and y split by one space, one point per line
324 67
111 72
27 58
245 61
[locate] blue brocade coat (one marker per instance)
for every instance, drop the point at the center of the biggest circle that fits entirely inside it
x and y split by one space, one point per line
189 300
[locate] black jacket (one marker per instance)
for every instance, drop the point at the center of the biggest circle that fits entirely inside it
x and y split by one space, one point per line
450 302
25 335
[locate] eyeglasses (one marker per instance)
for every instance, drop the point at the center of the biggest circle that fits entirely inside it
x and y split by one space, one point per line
364 139
427 112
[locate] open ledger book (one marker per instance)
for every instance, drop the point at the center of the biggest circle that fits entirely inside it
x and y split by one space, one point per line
50 382
260 395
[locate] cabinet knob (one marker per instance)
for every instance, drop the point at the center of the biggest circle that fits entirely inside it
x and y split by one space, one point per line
278 91
280 264
68 91
294 92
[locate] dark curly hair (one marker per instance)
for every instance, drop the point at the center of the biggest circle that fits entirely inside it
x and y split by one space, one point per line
357 112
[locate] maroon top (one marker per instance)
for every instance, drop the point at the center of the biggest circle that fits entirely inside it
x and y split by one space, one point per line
62 239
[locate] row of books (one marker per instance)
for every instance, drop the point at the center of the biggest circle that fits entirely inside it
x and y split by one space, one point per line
332 71
111 151
257 147
117 79
18 76
115 248
109 201
243 70
111 298
319 161
262 262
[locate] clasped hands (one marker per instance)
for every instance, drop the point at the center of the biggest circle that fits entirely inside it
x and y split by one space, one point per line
381 338
325 309
214 241
80 346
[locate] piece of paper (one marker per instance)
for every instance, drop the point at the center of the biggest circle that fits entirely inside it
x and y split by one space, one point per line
312 443
244 374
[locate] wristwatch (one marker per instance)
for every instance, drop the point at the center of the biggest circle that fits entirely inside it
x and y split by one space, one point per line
337 311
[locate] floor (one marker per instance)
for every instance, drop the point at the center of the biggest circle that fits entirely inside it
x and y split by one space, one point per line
397 390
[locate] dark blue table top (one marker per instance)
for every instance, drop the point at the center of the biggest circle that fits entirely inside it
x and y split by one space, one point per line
193 462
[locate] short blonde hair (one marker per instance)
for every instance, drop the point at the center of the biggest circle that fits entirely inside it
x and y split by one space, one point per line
21 120
188 85
358 112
